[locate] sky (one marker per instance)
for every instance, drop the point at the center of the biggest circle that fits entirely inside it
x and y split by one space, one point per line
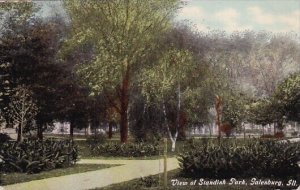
229 15
238 15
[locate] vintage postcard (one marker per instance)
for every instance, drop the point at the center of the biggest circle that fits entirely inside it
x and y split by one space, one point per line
149 94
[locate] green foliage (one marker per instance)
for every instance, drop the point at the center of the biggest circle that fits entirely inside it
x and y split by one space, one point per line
96 139
259 158
161 81
18 13
294 134
287 97
146 121
22 107
148 182
32 156
284 104
234 109
127 150
122 33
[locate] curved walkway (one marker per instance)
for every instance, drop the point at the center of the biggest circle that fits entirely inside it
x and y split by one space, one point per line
131 169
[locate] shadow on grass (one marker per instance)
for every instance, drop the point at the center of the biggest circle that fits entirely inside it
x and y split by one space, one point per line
12 178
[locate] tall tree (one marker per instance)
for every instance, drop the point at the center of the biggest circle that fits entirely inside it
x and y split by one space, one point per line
13 18
22 108
166 82
287 97
123 33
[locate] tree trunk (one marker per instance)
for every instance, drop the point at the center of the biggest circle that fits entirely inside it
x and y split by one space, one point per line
218 104
244 131
19 138
40 132
71 130
180 124
110 125
209 128
124 125
173 139
124 107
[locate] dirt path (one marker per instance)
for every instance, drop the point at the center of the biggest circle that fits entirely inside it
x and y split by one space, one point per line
131 169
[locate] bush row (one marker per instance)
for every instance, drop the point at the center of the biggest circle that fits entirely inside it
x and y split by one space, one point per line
259 158
4 138
277 135
126 150
32 156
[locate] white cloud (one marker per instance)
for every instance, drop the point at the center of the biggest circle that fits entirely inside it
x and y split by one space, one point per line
291 21
192 13
197 15
261 17
229 18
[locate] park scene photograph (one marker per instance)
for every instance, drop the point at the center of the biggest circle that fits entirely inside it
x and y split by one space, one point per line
149 94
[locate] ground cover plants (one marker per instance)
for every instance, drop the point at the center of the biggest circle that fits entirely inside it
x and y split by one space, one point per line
127 150
33 156
256 158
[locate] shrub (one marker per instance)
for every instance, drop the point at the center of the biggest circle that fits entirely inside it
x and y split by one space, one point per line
4 138
148 182
279 135
267 136
127 150
32 156
96 139
257 158
294 134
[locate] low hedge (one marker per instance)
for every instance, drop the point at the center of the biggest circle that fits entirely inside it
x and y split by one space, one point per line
33 156
94 140
4 137
127 150
257 158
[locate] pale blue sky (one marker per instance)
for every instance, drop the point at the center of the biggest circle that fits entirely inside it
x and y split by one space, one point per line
230 15
237 15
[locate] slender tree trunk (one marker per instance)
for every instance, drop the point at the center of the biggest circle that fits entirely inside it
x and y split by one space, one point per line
179 120
110 125
40 132
19 138
71 130
124 107
244 126
173 139
124 121
209 127
218 105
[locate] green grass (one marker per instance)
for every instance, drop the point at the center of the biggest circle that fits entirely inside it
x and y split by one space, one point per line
157 183
12 178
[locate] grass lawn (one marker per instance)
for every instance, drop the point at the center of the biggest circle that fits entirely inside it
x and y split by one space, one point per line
12 178
153 182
